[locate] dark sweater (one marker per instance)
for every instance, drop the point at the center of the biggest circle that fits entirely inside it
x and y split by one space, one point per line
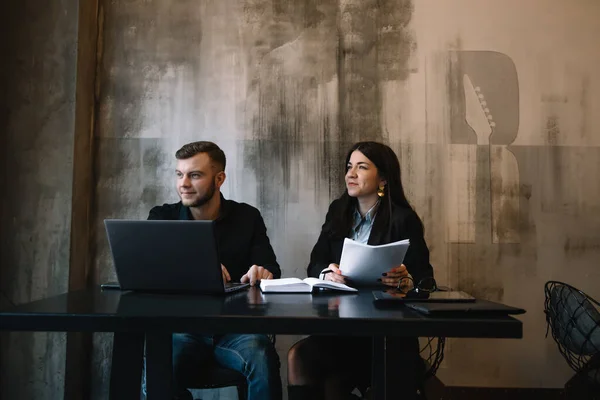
240 233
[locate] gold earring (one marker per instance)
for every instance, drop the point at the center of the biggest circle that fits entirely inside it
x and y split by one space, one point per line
380 191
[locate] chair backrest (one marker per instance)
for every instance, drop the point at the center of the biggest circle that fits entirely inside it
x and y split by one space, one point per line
574 320
432 353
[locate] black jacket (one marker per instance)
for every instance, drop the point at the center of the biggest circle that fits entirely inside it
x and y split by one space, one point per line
405 224
240 233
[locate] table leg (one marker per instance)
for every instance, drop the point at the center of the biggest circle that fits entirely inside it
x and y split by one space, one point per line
159 366
126 367
394 370
378 368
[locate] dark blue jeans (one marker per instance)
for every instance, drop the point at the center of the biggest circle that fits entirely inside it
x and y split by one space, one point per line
252 355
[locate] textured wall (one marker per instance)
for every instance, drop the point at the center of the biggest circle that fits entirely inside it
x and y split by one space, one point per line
37 114
489 104
534 215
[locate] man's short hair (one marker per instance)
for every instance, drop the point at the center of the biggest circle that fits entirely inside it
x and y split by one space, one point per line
214 152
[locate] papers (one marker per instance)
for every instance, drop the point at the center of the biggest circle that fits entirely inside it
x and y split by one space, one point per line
296 285
364 263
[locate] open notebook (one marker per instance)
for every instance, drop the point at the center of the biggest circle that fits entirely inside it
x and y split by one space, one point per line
297 285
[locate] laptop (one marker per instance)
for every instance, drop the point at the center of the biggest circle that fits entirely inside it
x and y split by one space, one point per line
166 256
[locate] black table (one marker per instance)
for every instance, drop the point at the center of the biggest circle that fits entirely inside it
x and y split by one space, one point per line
136 317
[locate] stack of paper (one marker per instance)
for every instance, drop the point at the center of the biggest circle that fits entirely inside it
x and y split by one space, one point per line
364 263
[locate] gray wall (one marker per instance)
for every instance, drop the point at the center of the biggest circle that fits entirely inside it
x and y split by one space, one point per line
36 124
507 190
286 87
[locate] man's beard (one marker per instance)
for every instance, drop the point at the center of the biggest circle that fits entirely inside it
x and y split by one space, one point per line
206 198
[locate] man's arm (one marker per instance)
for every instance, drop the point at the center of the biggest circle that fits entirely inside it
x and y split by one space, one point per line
164 212
155 213
262 253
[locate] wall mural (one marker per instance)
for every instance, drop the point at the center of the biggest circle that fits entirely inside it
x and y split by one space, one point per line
314 89
483 185
285 87
484 101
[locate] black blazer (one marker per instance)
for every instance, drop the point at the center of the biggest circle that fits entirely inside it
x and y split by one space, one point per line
405 224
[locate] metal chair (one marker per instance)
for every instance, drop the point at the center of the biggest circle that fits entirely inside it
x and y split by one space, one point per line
573 318
432 354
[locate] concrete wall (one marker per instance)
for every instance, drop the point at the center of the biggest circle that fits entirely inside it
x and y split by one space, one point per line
506 188
544 217
36 125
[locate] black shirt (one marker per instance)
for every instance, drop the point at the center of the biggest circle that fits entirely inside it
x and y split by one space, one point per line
240 232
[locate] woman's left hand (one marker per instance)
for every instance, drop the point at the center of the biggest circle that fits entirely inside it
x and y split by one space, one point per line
393 276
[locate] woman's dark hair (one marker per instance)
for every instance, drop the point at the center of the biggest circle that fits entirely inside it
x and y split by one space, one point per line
388 168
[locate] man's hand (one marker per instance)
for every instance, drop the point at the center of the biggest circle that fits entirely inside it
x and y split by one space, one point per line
256 273
335 275
225 274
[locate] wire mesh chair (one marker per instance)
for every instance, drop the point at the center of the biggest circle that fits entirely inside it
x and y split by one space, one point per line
431 349
432 354
573 318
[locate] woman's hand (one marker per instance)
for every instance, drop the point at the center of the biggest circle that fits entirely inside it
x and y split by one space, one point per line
335 275
393 276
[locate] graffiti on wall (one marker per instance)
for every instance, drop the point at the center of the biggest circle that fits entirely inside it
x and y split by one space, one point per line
483 183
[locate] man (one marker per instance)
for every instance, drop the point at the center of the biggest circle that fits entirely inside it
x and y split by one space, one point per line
246 255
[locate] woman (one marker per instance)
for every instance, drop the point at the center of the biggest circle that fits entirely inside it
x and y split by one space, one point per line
372 210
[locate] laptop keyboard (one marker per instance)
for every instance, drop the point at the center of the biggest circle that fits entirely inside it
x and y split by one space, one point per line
234 286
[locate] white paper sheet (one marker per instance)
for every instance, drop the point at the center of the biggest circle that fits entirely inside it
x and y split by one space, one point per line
365 263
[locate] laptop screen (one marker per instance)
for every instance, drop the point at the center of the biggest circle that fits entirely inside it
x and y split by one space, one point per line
166 256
